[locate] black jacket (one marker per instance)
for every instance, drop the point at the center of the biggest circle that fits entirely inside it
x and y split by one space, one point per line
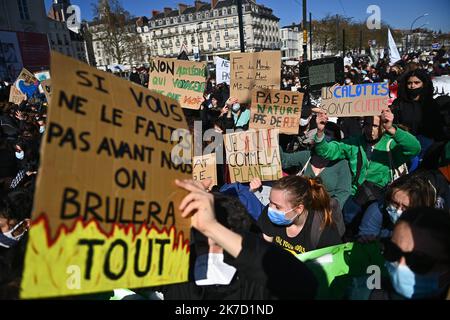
264 271
421 117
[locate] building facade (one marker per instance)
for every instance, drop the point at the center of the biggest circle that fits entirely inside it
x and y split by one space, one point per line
211 29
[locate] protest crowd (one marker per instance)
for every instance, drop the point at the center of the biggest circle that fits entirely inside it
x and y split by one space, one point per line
380 179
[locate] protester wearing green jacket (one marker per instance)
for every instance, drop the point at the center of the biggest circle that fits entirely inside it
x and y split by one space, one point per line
335 175
371 148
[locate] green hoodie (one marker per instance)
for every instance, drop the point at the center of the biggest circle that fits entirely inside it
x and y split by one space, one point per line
403 148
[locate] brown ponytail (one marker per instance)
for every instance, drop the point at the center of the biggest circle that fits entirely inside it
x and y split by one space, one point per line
321 201
309 192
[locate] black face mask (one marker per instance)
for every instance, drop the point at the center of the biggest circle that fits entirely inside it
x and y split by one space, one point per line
414 93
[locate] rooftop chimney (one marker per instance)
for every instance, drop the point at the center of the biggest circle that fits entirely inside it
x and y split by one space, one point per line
214 3
155 13
198 4
182 7
167 11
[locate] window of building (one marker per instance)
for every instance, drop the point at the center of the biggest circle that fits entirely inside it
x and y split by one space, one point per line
218 44
216 13
224 11
227 45
207 14
23 9
235 20
225 22
226 33
190 17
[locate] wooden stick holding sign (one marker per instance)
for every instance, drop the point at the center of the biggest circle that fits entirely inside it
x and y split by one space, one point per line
276 109
253 154
360 100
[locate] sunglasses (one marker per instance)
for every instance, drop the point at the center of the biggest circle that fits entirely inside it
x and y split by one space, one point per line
417 261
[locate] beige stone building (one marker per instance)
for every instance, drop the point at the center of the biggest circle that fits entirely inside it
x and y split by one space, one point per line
212 28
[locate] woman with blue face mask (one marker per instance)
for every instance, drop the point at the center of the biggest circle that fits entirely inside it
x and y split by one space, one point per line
418 256
299 215
407 192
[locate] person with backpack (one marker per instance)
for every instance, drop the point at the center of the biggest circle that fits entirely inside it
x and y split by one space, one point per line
405 193
299 217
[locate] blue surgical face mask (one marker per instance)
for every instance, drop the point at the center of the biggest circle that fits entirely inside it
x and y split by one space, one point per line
41 129
279 217
236 107
20 155
412 285
394 213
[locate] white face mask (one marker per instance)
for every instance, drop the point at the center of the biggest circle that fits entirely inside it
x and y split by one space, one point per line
210 269
304 122
236 107
41 129
20 155
7 240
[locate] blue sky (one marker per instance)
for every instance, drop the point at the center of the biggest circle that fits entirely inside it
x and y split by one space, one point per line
397 13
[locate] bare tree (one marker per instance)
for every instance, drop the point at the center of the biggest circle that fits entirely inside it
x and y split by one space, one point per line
115 27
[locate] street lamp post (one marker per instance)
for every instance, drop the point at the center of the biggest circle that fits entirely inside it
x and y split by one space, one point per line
410 30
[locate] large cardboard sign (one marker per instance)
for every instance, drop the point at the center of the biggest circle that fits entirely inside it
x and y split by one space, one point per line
367 99
182 80
261 70
253 154
24 87
276 109
222 71
204 167
320 73
105 211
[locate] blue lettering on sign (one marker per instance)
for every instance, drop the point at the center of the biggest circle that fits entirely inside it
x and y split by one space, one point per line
335 92
385 86
376 89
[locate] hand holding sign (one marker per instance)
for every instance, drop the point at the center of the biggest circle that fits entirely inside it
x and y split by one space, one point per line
198 204
387 119
255 185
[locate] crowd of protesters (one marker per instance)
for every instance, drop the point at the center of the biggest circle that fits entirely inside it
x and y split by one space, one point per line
338 185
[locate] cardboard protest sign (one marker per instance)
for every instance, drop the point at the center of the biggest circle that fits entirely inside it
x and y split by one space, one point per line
46 86
204 167
261 70
182 80
367 99
276 109
222 71
253 154
24 87
321 72
105 211
342 267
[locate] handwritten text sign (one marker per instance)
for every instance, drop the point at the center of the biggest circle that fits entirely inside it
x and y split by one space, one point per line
182 80
276 109
367 99
261 70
